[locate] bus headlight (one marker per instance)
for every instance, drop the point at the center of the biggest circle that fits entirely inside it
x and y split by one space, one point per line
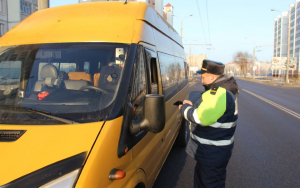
65 181
63 173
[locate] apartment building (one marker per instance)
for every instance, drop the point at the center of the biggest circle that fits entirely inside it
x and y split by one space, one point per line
293 31
194 63
281 35
288 24
13 12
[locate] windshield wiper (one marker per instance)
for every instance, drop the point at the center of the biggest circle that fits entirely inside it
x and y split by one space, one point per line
40 112
24 108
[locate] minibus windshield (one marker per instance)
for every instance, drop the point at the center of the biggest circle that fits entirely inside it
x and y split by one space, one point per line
75 81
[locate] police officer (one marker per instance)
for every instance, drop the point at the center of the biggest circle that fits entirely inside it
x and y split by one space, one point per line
213 125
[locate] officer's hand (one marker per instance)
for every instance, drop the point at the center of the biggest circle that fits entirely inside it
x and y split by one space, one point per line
187 102
179 106
109 78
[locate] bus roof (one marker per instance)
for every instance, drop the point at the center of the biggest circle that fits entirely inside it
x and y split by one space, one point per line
88 22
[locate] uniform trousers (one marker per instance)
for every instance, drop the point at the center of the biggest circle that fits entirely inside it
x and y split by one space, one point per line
209 176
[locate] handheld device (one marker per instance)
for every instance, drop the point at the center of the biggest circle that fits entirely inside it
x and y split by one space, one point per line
177 103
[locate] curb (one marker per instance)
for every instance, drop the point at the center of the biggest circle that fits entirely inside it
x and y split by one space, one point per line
270 83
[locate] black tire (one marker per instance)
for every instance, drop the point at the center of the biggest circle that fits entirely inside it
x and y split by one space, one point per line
183 135
140 185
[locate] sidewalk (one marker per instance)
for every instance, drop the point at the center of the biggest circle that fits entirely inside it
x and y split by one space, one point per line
273 81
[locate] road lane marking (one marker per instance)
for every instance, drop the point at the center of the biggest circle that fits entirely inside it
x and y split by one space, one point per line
274 104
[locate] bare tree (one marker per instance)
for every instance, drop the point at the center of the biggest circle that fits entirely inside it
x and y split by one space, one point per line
178 70
243 60
172 72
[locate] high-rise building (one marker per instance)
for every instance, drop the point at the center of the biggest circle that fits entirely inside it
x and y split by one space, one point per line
288 24
159 6
293 30
13 12
281 35
152 3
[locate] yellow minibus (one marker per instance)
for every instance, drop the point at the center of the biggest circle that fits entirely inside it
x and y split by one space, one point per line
86 97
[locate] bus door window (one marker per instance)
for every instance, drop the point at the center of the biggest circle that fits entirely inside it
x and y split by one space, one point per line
139 86
151 62
136 98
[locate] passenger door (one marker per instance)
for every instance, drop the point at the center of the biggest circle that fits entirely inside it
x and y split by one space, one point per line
147 152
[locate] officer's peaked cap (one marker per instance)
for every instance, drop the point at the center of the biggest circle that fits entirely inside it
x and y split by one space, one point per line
212 67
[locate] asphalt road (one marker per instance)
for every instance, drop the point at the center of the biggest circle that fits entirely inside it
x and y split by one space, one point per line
267 141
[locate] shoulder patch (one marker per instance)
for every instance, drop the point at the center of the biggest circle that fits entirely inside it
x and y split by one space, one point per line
213 91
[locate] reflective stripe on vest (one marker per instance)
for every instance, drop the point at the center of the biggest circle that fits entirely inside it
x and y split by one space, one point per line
186 111
224 125
213 142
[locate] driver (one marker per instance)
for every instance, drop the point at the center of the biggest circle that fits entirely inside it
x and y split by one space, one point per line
62 76
110 74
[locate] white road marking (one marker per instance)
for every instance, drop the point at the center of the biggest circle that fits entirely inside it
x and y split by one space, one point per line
274 104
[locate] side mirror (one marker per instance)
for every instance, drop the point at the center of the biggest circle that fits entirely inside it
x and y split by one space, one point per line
154 115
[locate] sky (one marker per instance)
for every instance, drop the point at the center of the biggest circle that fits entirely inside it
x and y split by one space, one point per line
229 26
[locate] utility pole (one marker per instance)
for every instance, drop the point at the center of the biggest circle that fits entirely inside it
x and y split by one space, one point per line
181 23
190 54
254 57
181 31
43 4
253 62
195 44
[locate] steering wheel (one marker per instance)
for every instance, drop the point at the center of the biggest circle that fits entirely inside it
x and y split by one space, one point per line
93 87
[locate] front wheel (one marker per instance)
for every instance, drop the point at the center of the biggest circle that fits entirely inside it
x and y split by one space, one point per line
183 135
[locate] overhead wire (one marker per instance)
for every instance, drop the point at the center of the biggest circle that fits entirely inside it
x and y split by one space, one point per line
208 23
193 40
201 22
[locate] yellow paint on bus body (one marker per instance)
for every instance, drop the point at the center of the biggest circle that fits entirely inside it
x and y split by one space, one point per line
42 145
88 22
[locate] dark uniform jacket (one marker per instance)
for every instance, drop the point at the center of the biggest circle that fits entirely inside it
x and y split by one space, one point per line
213 123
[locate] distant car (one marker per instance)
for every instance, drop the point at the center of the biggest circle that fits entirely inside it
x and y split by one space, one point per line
269 75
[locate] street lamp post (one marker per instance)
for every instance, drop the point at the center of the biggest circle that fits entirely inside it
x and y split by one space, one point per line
190 54
288 47
254 55
253 58
181 23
